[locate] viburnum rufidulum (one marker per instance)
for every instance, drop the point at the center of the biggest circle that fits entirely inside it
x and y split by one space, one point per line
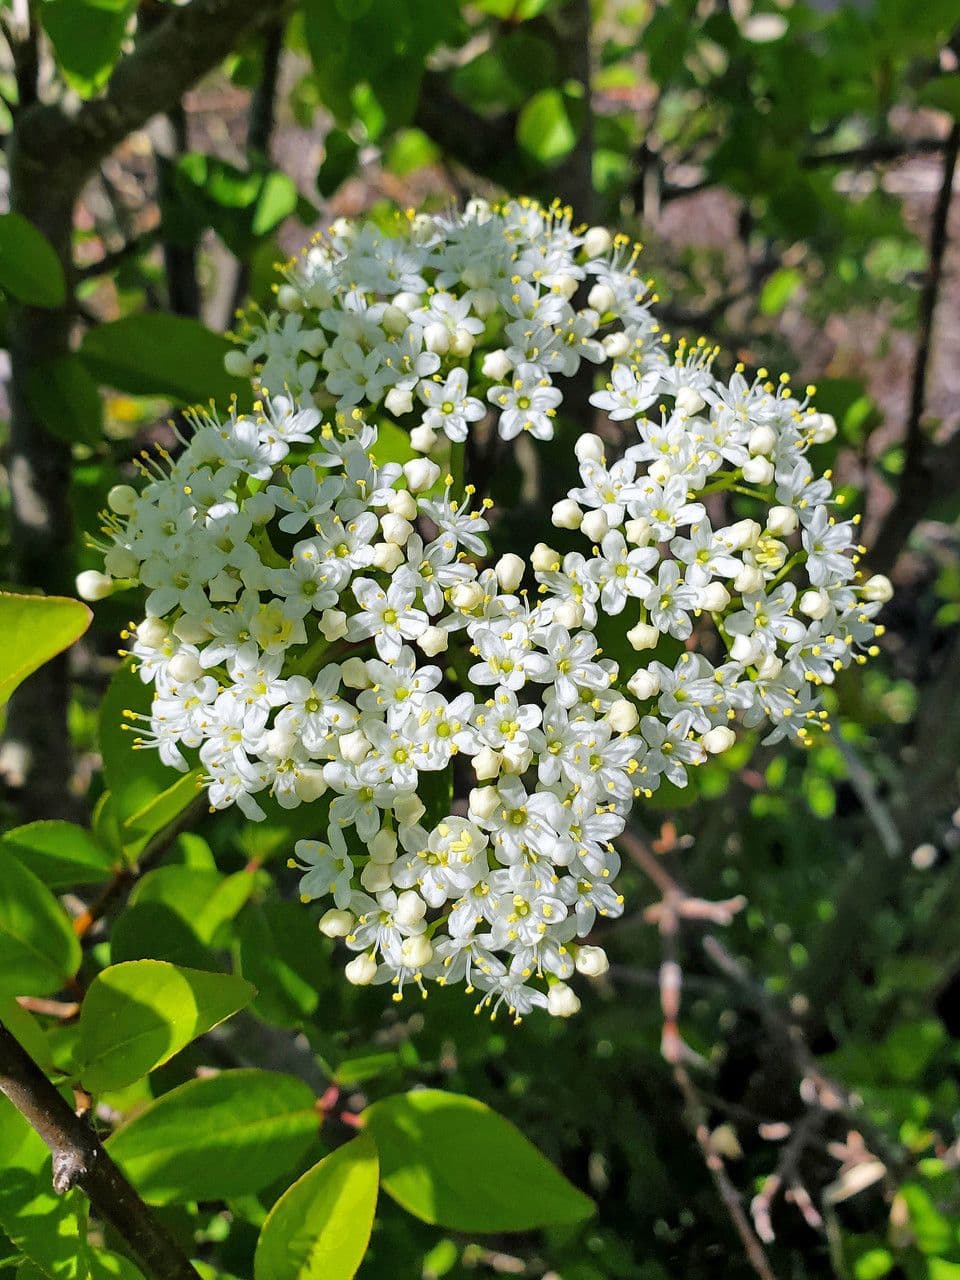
322 624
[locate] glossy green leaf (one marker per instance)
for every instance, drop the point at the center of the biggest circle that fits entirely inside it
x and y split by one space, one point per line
26 1029
146 795
29 266
205 900
451 1161
60 853
66 400
229 1135
319 1228
86 36
546 129
38 949
137 1015
161 354
49 1229
282 954
35 629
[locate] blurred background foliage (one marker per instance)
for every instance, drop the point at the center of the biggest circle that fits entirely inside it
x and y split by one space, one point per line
789 166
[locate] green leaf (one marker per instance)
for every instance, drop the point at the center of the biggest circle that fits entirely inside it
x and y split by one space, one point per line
25 1028
282 954
943 94
61 854
546 127
137 1015
66 400
87 36
161 354
29 266
339 161
229 1135
146 795
203 899
453 1162
38 949
410 150
35 629
277 200
48 1228
319 1228
779 289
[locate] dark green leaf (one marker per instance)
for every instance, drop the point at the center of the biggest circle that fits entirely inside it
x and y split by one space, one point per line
453 1162
339 161
319 1228
230 1135
38 949
29 267
165 355
86 37
282 954
136 1016
61 854
66 400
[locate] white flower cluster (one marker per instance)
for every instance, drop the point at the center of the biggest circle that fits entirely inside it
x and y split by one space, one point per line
301 590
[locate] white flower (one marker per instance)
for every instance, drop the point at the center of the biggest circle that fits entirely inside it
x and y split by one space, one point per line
528 403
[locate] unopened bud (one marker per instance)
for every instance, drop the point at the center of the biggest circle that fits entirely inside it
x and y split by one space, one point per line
417 951
122 499
644 684
638 531
782 521
396 529
336 924
423 438
466 596
421 474
758 471
309 783
375 877
333 625
566 514
589 448
388 556
689 401
436 338
562 1001
496 365
745 533
353 746
602 298
595 525
403 503
879 589
815 604
361 971
623 716
714 597
509 569
184 668
544 559
486 763
411 908
569 614
93 585
433 640
763 439
749 580
121 563
643 636
394 320
238 364
745 649
484 802
398 401
822 425
383 848
716 741
616 345
596 242
592 962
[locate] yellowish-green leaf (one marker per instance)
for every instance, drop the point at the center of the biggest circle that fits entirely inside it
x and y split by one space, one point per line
35 629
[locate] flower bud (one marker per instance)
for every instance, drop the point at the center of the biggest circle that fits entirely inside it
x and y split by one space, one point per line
770 667
716 741
353 746
644 684
375 877
745 649
403 503
462 343
436 338
387 556
544 559
318 296
566 514
383 848
602 298
184 668
515 759
188 630
782 521
589 448
617 345
596 242
396 529
336 924
423 438
152 633
689 401
288 298
484 302
421 474
486 763
410 908
433 640
592 962
361 971
569 614
509 569
749 580
122 499
466 596
484 802
409 808
661 470
562 1001
643 636
566 285
714 597
398 401
878 589
623 716
394 320
93 585
238 364
745 533
822 425
309 783
815 604
417 951
595 525
763 439
758 471
121 563
406 301
637 531
496 365
333 625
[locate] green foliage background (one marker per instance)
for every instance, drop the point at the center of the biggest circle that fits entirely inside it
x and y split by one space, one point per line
158 957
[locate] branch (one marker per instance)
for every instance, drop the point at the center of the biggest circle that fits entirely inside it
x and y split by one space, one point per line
478 142
875 152
915 487
79 1160
117 257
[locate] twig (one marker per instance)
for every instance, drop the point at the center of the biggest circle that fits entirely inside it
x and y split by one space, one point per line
117 257
861 780
915 487
697 1120
785 1174
79 1160
876 151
